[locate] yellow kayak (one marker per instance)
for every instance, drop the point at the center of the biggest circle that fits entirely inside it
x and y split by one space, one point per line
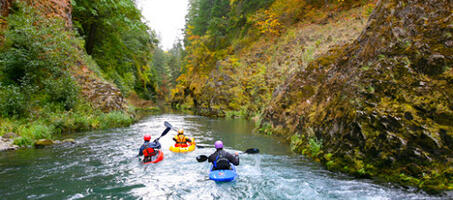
189 148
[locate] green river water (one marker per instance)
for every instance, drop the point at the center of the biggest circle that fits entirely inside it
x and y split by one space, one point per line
102 165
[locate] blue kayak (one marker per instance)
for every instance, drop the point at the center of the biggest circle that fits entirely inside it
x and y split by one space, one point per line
224 175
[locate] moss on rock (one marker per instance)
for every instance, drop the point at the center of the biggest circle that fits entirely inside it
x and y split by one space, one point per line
381 105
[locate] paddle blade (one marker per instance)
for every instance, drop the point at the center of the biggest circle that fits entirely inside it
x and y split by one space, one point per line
202 158
168 125
201 147
252 151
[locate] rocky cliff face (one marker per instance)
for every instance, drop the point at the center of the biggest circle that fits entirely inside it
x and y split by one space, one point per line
102 95
51 8
4 7
381 106
54 8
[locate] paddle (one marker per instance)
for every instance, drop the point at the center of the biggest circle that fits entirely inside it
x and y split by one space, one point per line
202 158
163 134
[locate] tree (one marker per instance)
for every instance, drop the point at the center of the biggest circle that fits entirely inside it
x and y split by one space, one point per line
118 40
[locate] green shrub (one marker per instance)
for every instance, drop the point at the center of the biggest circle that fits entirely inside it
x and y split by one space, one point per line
13 101
23 141
315 146
32 131
63 90
6 125
114 119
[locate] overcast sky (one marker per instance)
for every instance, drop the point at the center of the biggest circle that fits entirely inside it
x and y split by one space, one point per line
166 17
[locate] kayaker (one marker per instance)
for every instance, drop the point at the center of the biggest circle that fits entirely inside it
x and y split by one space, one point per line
180 139
221 159
149 149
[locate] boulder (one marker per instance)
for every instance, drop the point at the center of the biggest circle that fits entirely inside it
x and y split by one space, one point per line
69 140
43 142
7 145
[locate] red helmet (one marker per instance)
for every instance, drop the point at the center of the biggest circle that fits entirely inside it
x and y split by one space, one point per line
147 137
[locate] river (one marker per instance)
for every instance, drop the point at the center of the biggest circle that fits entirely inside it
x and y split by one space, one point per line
102 165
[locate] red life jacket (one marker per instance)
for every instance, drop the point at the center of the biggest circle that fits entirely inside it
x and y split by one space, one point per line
149 151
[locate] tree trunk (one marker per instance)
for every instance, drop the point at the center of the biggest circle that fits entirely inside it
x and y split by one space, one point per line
91 39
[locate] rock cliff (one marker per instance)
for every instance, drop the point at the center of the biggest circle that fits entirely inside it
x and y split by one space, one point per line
381 106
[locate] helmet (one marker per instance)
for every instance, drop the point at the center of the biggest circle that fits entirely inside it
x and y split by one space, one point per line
180 131
218 144
147 137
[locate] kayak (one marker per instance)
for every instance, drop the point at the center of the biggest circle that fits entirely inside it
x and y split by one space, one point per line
189 148
224 175
159 158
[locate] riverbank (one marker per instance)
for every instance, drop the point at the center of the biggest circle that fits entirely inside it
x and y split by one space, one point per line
17 133
24 132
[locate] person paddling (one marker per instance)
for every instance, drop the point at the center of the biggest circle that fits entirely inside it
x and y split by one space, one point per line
180 139
149 149
221 159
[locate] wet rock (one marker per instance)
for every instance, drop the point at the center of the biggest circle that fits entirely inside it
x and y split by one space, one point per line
393 141
416 154
428 141
43 142
69 140
447 138
436 60
414 170
408 116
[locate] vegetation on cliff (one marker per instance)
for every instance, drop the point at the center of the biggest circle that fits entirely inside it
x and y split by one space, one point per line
372 104
45 69
238 55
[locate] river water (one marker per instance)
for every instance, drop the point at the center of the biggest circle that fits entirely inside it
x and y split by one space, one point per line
102 165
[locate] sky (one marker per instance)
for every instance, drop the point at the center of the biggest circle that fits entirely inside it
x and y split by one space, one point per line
166 18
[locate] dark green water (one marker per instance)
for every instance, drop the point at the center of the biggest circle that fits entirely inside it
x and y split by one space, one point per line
102 165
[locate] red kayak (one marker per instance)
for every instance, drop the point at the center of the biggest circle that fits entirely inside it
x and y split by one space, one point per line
159 158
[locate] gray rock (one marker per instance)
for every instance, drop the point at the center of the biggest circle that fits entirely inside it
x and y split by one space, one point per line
7 145
9 135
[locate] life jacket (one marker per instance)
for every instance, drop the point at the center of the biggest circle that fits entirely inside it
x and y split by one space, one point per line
180 139
149 151
221 162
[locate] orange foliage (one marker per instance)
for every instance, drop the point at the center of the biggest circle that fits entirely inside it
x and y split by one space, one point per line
269 23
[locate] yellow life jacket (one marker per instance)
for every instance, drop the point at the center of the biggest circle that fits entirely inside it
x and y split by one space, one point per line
181 139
